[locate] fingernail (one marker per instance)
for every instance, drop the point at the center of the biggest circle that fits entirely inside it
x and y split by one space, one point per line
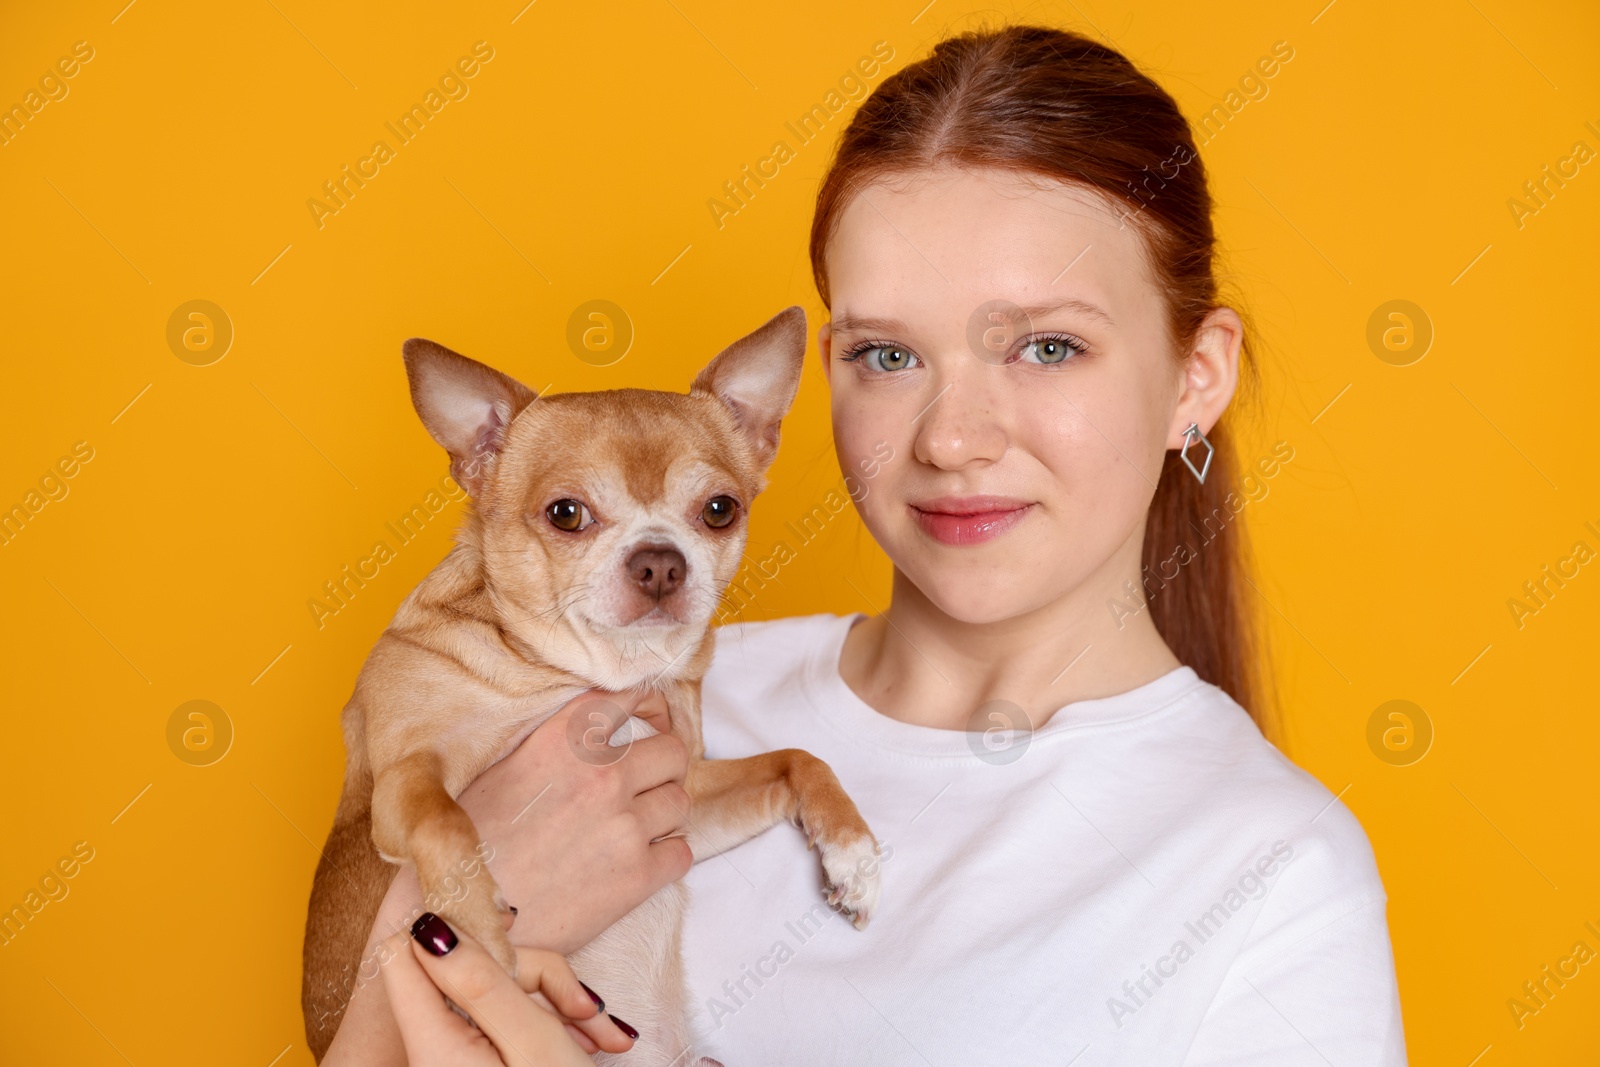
433 933
624 1027
599 1005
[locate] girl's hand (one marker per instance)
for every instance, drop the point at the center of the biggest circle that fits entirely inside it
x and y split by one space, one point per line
584 833
543 1018
574 830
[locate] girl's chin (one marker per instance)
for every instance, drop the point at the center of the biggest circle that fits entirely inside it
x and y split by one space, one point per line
979 597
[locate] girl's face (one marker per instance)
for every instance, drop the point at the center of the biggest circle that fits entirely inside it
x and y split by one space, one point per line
1001 337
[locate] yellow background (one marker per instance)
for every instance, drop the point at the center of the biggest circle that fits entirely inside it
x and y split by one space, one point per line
179 566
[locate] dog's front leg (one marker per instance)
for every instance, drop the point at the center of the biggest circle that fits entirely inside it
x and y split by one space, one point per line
414 818
735 799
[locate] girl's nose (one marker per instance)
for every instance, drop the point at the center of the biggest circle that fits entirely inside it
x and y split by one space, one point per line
962 424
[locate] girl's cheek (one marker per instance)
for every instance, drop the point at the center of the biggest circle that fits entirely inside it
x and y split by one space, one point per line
856 424
869 457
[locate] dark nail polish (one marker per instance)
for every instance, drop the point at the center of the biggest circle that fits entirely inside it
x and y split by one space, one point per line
599 1005
433 933
624 1027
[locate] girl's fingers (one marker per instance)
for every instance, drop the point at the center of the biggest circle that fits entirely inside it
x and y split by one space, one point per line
523 1033
663 811
432 1033
670 859
546 974
654 761
652 708
542 971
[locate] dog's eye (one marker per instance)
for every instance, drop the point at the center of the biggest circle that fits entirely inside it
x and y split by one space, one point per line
569 515
719 511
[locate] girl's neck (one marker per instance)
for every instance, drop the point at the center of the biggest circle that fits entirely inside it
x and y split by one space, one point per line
917 664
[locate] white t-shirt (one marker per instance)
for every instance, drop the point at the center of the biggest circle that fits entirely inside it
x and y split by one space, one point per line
1150 883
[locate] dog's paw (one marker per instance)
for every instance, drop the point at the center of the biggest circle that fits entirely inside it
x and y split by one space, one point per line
497 944
482 919
852 878
504 953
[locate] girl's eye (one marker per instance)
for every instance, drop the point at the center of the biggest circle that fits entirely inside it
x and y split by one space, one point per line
1049 350
569 515
882 357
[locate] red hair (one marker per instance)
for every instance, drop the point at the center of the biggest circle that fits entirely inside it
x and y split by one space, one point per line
1052 103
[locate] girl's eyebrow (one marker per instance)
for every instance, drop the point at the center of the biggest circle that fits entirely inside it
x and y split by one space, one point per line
1067 303
874 324
867 324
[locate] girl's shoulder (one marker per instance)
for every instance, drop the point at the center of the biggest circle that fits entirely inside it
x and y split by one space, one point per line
1246 792
759 655
790 637
762 674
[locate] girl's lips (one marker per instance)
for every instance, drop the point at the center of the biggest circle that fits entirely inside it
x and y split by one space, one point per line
968 520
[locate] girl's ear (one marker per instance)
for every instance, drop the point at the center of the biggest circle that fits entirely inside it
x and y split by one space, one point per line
1210 374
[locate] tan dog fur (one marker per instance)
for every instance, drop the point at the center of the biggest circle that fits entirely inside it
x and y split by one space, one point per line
521 616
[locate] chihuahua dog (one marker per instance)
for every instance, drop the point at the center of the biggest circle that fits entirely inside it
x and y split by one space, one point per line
602 531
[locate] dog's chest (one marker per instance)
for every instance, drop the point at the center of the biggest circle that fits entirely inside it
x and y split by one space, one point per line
484 734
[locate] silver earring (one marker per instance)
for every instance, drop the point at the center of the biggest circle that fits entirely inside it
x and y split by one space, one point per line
1189 436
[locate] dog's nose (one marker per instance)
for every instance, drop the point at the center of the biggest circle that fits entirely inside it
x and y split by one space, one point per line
657 569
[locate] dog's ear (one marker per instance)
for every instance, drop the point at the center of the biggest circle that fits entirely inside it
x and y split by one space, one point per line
465 405
757 377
